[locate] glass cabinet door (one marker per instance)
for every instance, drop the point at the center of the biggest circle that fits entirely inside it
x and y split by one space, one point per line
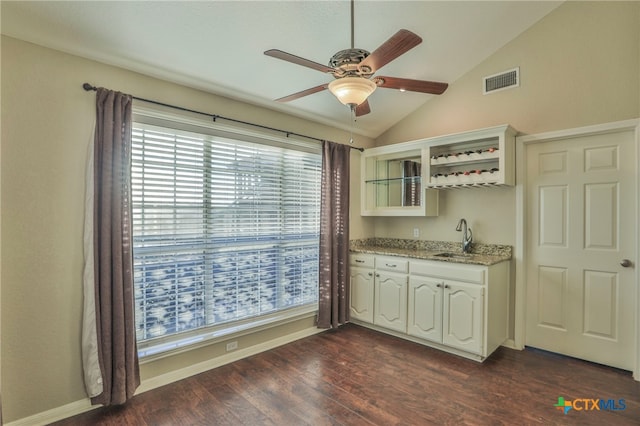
397 183
393 184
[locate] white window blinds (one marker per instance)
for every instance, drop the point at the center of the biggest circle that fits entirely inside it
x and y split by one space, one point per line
224 230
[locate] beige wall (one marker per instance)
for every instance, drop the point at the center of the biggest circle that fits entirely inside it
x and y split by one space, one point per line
1 418
46 126
580 65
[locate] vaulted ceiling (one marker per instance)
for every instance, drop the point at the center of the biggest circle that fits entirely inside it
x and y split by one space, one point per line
218 46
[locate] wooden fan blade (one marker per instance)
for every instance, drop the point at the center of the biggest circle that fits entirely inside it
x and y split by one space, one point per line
399 43
279 54
303 93
363 109
422 86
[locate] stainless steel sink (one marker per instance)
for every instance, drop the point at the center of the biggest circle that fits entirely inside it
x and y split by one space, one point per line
451 255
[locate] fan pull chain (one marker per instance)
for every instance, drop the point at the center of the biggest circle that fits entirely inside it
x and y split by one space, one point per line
352 119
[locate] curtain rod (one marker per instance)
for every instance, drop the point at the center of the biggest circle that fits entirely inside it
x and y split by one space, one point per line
89 88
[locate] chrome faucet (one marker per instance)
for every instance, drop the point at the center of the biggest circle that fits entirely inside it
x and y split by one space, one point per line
467 235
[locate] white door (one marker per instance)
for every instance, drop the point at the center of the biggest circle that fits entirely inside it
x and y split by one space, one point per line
463 313
581 200
391 301
424 318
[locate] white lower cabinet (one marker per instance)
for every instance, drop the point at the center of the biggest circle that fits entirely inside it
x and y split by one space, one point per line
361 295
390 306
461 308
361 298
445 311
463 314
378 292
425 308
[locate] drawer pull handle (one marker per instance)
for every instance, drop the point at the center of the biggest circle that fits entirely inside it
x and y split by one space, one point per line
370 274
359 261
447 286
439 285
391 266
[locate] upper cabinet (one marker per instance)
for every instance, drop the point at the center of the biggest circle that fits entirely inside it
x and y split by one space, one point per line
403 179
392 182
479 158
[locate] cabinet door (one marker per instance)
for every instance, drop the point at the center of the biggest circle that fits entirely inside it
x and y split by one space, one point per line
463 315
391 301
361 296
424 317
392 182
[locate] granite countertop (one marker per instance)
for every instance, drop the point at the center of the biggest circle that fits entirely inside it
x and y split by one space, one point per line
481 254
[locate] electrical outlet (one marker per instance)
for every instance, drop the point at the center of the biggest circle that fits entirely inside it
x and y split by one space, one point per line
416 232
232 346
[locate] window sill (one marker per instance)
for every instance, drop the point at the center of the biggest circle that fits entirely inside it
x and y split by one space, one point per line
223 332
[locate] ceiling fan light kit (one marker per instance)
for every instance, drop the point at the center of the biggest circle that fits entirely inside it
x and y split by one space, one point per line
352 91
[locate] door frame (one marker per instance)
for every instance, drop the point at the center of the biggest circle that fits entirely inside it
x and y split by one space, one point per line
521 220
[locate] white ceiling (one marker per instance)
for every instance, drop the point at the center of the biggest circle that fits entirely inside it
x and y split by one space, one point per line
218 46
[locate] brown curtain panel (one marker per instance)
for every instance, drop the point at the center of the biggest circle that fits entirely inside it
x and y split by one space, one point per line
334 236
113 254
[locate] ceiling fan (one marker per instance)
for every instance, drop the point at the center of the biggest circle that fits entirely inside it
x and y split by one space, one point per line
353 71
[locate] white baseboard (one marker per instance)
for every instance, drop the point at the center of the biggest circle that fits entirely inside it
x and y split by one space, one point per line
55 414
84 405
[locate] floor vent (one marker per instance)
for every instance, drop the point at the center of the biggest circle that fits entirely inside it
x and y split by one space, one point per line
501 81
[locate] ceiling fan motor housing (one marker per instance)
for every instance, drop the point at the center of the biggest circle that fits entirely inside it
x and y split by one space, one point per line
347 63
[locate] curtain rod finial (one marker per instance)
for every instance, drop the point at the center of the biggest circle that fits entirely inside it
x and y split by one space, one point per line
88 87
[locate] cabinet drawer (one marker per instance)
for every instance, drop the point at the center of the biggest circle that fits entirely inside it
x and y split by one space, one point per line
450 271
364 260
392 264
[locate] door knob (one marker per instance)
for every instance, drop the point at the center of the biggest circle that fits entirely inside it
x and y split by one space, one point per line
625 263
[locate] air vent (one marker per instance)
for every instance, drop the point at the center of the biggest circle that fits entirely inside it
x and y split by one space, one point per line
501 81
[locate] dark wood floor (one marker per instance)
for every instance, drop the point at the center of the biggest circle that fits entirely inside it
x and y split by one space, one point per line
356 376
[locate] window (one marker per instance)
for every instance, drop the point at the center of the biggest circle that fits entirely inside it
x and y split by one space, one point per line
224 230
